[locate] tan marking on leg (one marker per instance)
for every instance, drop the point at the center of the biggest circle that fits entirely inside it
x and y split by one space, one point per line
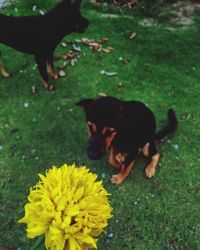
145 150
109 139
51 71
3 71
120 157
112 159
151 168
125 171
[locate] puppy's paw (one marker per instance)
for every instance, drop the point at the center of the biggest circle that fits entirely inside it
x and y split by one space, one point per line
117 179
50 87
55 76
150 171
5 74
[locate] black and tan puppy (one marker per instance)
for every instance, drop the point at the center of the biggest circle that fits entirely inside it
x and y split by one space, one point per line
40 35
127 128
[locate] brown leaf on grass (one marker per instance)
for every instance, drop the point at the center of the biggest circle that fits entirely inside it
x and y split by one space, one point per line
69 55
102 94
133 35
94 45
107 50
103 40
86 41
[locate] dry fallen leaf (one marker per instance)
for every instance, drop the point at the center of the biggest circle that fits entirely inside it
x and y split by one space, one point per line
103 40
102 94
133 35
85 41
64 45
106 73
107 50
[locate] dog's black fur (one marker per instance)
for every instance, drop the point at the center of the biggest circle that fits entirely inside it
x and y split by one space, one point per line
131 127
40 35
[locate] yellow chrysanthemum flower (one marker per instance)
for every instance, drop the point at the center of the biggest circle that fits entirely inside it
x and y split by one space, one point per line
69 206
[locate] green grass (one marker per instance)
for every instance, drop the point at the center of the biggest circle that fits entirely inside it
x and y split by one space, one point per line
163 72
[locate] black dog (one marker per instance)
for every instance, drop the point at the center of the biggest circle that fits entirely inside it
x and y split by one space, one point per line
128 127
40 35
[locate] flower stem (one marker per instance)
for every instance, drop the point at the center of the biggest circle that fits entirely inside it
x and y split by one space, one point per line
37 243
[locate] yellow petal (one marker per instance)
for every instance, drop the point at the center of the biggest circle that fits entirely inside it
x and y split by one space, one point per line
79 194
72 244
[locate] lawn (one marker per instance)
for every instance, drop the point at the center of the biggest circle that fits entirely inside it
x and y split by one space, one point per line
40 129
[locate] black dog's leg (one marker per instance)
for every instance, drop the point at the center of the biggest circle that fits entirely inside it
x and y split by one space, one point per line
50 67
150 151
41 62
2 70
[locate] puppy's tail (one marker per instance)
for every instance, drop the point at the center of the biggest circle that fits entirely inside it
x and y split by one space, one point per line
170 128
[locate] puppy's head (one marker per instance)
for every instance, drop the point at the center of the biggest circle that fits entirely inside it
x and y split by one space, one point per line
102 116
75 22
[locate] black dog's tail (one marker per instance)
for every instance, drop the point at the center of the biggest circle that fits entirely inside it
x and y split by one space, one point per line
170 128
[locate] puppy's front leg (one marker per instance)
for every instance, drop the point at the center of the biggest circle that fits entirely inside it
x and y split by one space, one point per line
112 159
126 167
50 67
3 71
41 62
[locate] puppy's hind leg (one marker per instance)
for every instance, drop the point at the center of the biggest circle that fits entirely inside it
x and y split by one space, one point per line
3 71
150 151
50 67
41 62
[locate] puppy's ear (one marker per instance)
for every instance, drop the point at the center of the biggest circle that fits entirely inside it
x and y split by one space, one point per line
86 104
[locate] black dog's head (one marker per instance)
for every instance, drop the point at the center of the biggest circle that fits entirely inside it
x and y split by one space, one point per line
103 121
75 22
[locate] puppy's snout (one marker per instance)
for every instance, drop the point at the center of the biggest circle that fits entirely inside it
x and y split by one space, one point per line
93 155
95 149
